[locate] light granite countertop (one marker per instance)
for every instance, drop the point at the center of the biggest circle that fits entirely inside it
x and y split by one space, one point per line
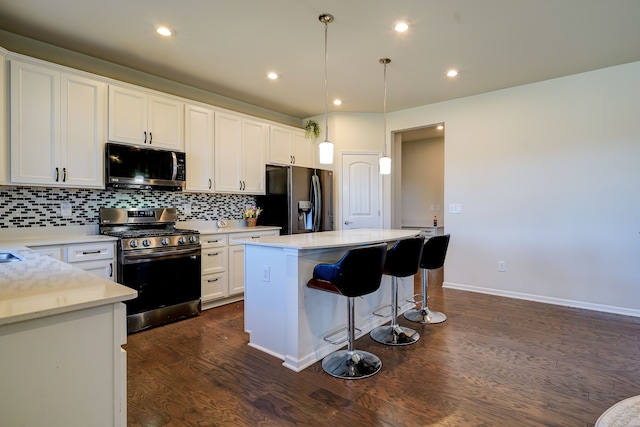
40 286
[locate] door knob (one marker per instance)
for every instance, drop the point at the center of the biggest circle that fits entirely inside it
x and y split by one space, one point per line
348 222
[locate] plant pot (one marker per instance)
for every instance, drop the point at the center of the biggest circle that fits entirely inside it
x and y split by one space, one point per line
251 222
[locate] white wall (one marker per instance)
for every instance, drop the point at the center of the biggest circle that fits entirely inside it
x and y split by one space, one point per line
422 182
548 176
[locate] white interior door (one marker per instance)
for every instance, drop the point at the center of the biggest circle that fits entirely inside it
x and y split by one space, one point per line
360 191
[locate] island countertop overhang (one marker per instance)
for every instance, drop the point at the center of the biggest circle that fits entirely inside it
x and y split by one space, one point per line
333 239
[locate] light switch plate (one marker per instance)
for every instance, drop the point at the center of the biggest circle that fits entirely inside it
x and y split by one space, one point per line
455 208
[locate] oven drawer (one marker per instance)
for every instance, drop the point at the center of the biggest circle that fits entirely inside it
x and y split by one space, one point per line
89 252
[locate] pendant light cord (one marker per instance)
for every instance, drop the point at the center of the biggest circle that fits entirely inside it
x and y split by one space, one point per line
326 89
385 61
384 109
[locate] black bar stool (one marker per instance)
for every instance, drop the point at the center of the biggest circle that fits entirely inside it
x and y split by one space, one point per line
435 250
403 260
358 273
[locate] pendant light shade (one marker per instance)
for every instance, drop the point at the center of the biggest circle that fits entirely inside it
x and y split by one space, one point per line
326 147
385 161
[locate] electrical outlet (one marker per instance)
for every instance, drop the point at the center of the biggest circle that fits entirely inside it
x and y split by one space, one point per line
265 273
502 266
65 210
455 208
187 208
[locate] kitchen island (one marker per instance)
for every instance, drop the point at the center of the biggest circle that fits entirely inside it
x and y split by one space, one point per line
288 320
61 332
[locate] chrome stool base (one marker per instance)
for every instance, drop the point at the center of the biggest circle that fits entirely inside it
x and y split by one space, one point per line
425 316
394 335
351 365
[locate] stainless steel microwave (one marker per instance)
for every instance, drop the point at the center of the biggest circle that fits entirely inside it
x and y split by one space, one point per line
133 167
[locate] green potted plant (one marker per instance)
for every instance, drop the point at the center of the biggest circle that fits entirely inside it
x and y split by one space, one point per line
312 130
251 215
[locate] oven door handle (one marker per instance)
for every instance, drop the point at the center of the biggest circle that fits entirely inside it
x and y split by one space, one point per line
150 256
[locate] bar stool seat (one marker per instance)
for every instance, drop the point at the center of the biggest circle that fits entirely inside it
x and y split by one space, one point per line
357 273
403 260
433 255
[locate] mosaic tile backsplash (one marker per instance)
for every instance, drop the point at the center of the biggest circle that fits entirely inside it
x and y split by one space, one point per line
40 207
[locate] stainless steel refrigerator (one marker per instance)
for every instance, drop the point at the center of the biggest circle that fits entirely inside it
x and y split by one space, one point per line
300 200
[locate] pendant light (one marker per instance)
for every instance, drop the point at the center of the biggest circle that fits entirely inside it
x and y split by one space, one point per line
385 161
326 147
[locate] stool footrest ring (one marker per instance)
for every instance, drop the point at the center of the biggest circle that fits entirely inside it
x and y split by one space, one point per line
328 338
377 311
413 299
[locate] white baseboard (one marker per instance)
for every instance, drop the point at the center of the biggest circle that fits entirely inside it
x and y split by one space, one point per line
544 299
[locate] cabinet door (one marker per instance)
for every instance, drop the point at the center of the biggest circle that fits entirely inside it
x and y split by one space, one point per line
127 115
228 153
198 137
83 118
4 149
280 146
165 123
236 269
103 268
35 124
255 138
301 150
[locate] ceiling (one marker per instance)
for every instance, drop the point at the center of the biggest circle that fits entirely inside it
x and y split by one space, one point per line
227 47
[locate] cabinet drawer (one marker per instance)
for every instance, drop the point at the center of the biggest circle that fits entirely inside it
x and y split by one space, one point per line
214 286
54 252
213 240
89 252
235 238
214 260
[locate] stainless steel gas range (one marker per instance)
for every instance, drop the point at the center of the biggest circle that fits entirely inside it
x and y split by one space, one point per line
159 261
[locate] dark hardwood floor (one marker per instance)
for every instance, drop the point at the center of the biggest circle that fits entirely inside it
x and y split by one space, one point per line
495 362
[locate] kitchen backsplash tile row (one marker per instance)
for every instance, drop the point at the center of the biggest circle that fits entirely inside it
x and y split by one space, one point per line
41 207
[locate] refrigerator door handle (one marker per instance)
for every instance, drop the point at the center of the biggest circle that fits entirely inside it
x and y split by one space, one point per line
316 200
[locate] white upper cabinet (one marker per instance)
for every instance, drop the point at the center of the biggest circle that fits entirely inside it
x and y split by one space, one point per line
4 149
288 146
198 140
143 117
240 149
57 126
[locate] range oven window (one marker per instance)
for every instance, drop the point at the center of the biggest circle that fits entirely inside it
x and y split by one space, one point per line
161 281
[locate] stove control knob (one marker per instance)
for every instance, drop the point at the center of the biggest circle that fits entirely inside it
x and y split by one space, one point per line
133 243
181 240
165 241
192 239
146 242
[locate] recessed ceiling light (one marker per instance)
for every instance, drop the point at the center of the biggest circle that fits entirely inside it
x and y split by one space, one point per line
272 75
401 26
452 73
337 102
164 31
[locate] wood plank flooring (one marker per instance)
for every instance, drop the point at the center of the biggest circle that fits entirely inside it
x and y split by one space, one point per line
494 362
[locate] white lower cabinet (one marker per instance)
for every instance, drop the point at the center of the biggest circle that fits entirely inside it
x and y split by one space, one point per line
65 369
96 258
214 269
223 266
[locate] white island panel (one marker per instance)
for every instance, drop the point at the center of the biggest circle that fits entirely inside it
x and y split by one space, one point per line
287 319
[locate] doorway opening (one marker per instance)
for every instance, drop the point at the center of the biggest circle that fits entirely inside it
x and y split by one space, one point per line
418 178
